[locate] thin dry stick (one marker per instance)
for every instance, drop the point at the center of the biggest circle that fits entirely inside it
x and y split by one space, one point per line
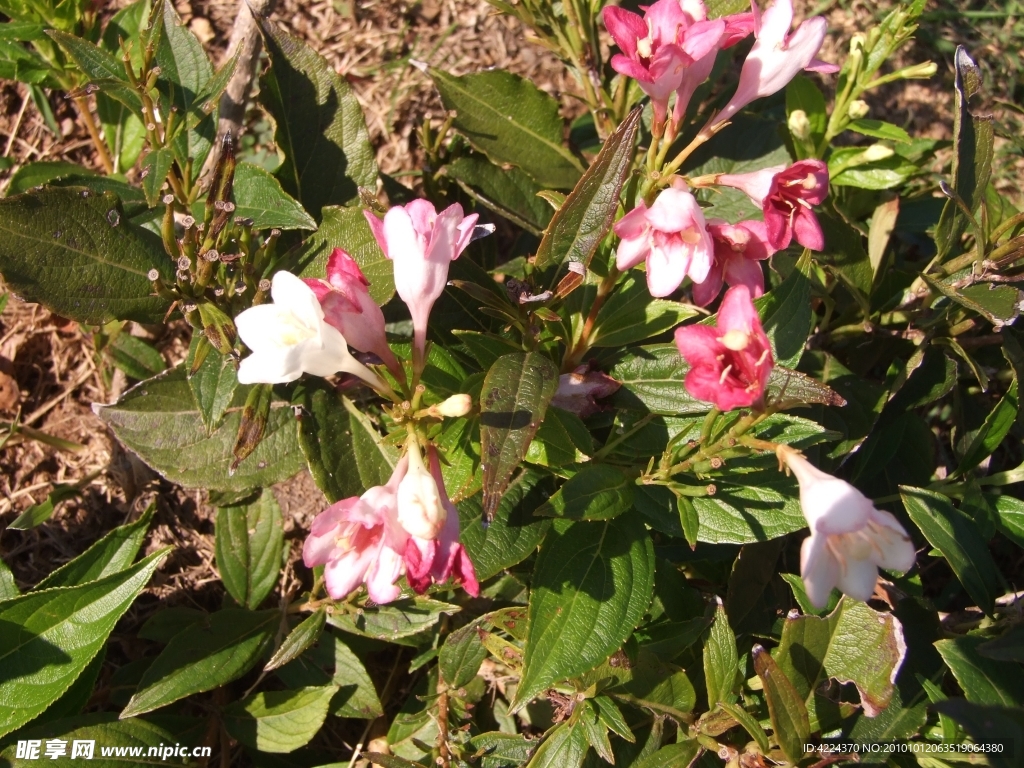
17 123
94 134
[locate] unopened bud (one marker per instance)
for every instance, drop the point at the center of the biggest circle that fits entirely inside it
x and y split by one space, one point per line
919 71
858 109
799 125
876 152
455 406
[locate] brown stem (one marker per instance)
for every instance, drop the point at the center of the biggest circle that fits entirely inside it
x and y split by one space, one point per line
444 758
94 134
579 349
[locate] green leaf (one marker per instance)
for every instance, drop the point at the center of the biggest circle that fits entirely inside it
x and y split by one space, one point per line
320 126
1007 647
213 382
879 129
652 380
786 316
184 67
514 533
111 554
511 120
325 435
347 228
74 252
203 657
387 761
787 711
591 587
515 395
1010 518
988 725
298 640
562 439
983 681
564 746
38 659
956 536
394 621
258 196
165 624
501 750
854 167
853 644
44 172
631 315
278 721
508 191
159 420
135 357
678 755
765 507
8 587
844 253
38 514
721 660
375 460
657 686
993 430
461 656
100 68
802 94
587 214
596 492
156 165
249 540
332 662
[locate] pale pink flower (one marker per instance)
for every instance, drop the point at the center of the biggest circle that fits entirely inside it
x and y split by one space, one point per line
738 250
671 237
579 391
777 56
347 306
850 539
729 363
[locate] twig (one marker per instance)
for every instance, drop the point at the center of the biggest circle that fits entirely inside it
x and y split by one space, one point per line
94 134
17 124
46 407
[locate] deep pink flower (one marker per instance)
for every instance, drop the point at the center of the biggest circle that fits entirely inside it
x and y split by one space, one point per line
347 306
729 363
658 47
738 249
422 243
786 196
671 236
777 56
579 391
439 559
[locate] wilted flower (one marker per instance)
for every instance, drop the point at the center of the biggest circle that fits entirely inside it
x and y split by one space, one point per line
729 364
786 196
348 307
738 249
850 539
671 236
291 337
420 511
579 391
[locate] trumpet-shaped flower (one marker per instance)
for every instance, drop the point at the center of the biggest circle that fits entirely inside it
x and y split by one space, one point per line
850 539
348 307
579 391
671 237
291 337
422 243
786 196
729 364
777 56
420 510
738 249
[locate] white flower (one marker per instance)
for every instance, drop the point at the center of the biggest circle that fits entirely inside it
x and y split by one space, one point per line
290 337
850 539
420 511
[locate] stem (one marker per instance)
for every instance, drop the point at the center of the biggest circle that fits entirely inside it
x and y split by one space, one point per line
579 349
94 134
611 444
444 757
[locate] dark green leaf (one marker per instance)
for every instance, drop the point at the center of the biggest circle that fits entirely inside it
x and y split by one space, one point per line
394 621
721 660
956 536
320 126
298 640
788 712
74 252
461 656
38 514
786 316
249 540
1007 647
156 165
991 433
100 68
562 439
564 746
159 420
203 657
388 761
278 721
989 725
514 398
165 624
983 680
507 191
596 492
765 507
135 357
1010 518
511 120
657 686
631 315
184 67
213 382
44 172
652 380
375 460
678 755
325 435
111 554
8 587
501 750
587 214
844 253
38 661
258 196
332 662
591 587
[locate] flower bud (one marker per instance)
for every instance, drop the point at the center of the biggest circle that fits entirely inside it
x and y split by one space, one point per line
799 125
918 71
420 511
876 152
455 406
858 109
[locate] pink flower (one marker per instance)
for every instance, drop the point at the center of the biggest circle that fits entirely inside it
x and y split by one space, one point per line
443 557
658 47
777 56
786 196
850 539
579 391
671 236
358 540
348 307
729 364
422 243
738 249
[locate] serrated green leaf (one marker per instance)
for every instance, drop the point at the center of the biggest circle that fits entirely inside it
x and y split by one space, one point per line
249 540
721 660
512 121
562 439
332 662
325 435
159 420
765 507
631 315
956 536
214 382
564 746
596 492
306 633
165 624
8 586
74 252
44 172
657 686
786 317
652 380
184 66
156 166
591 587
135 357
375 460
853 167
320 126
509 192
100 67
586 216
879 129
394 621
278 721
678 755
983 680
203 657
785 707
111 554
461 656
516 392
988 725
38 661
258 196
501 750
993 430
